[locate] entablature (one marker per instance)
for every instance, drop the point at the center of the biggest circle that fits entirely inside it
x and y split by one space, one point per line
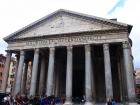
68 40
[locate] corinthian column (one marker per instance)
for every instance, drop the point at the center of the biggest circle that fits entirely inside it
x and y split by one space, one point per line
69 77
34 73
88 76
19 73
50 78
128 67
108 75
6 71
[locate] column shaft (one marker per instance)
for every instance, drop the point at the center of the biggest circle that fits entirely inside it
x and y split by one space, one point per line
88 75
50 78
69 75
24 78
128 66
108 75
34 73
57 82
42 76
19 73
6 71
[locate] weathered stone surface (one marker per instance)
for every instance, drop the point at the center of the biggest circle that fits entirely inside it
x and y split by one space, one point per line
65 28
69 76
50 77
66 41
19 73
64 23
34 73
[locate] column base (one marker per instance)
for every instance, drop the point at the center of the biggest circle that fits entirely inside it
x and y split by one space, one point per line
89 103
68 103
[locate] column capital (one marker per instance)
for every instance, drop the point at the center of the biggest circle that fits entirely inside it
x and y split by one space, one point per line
69 48
106 46
37 51
52 49
126 45
22 52
87 47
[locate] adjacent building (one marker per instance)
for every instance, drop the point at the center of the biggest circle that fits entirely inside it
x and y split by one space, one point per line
11 74
137 78
11 77
2 63
74 55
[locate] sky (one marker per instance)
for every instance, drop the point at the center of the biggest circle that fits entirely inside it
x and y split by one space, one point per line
15 14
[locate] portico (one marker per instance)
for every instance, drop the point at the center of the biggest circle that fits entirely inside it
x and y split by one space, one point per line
75 55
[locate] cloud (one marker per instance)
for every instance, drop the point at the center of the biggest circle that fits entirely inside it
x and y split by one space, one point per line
120 3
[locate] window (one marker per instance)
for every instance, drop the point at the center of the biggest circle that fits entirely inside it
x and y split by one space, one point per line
0 74
11 76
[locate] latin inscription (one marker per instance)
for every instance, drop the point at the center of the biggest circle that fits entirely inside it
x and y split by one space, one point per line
64 41
67 41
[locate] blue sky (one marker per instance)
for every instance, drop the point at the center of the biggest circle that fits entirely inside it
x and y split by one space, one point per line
16 14
120 3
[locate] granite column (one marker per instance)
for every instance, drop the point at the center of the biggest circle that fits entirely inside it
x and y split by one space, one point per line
88 76
34 73
42 76
69 77
128 67
19 73
50 77
108 75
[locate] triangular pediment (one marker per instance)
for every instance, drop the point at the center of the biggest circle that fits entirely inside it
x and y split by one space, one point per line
63 21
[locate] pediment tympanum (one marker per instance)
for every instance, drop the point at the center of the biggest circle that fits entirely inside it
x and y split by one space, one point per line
63 21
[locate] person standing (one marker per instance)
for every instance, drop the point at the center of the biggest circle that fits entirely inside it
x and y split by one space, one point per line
109 102
113 102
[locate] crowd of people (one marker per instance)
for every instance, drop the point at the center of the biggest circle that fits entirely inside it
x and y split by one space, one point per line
111 102
32 100
42 100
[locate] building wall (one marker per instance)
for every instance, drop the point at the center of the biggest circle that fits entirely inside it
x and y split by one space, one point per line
11 72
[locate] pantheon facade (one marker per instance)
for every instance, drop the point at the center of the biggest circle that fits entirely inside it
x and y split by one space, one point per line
74 55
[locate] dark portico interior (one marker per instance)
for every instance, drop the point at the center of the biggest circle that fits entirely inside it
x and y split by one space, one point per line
78 85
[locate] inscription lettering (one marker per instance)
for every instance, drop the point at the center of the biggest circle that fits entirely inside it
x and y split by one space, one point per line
64 40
